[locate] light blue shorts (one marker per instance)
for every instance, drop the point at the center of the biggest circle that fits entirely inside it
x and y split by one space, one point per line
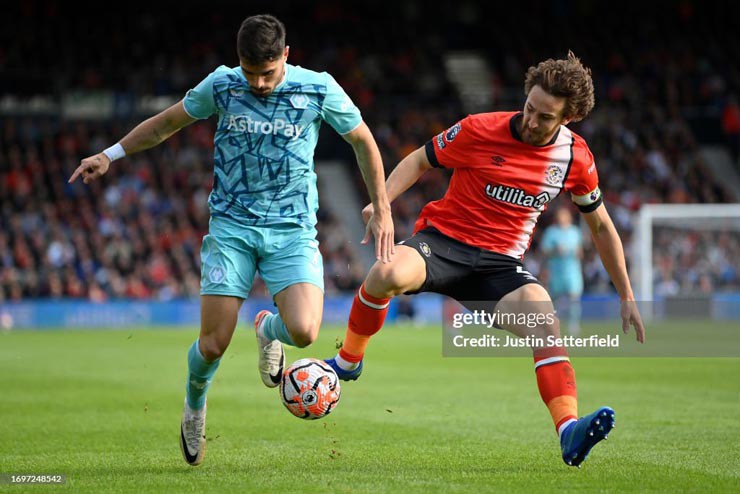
565 284
232 253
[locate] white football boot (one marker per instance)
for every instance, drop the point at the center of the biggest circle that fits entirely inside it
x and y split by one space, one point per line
271 354
193 434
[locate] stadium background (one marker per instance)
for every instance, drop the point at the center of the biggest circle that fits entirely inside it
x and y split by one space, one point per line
74 79
103 407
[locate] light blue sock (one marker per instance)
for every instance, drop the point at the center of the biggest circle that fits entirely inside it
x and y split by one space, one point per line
200 374
274 329
575 313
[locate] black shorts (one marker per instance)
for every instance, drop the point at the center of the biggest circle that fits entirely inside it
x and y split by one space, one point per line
464 272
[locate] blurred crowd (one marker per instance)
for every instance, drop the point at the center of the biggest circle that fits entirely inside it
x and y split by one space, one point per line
695 262
137 234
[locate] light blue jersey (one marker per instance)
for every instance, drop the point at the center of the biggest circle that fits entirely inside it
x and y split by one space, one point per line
264 146
562 246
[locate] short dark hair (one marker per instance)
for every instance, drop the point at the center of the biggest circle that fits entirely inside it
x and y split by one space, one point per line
565 78
261 38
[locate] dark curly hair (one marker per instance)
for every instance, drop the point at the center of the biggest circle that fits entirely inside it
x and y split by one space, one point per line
565 78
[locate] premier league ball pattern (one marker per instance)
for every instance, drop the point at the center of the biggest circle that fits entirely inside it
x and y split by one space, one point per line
310 389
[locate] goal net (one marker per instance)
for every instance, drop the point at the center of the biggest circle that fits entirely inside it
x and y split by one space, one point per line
687 252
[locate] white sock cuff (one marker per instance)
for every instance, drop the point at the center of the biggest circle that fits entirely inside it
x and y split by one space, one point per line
371 304
345 364
564 425
550 360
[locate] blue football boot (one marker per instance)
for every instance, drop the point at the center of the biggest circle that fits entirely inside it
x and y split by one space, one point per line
580 436
343 374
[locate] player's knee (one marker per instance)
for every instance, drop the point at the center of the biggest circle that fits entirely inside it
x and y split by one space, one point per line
211 349
385 280
303 333
550 326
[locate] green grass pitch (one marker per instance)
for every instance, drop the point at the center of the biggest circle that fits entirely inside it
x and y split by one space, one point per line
103 407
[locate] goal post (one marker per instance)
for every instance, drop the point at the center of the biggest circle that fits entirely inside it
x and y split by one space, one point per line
707 220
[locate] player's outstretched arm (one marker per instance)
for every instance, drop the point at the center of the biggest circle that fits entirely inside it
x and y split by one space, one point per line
146 135
380 224
407 173
611 252
402 177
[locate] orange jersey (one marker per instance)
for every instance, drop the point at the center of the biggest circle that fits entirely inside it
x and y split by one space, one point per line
500 185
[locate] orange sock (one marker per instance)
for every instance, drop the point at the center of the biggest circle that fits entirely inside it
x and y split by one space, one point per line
365 319
556 381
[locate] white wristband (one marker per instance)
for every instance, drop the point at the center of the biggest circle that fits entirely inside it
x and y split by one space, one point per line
115 152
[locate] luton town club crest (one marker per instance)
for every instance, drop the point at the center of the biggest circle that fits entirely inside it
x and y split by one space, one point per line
553 175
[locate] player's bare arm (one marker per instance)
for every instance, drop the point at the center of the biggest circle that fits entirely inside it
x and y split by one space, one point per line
610 250
380 224
402 177
407 173
146 135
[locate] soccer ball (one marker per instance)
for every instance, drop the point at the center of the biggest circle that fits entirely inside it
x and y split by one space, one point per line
310 389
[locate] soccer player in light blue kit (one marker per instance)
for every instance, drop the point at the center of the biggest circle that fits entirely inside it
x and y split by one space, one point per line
562 243
263 203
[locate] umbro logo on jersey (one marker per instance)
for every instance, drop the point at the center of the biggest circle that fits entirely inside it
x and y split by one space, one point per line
519 197
498 160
